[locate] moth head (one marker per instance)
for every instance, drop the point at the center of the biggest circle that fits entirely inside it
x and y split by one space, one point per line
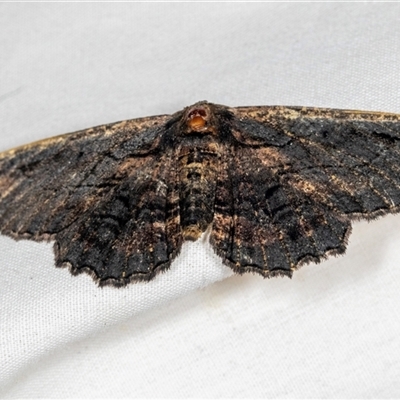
199 119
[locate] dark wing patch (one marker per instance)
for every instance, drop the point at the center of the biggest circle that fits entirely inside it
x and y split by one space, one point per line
298 183
97 194
275 226
133 232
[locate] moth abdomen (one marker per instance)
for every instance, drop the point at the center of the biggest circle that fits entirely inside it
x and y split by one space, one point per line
199 169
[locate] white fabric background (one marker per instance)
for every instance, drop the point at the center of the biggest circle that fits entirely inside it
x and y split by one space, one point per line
196 331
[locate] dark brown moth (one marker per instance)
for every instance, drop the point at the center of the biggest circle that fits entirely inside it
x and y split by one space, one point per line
277 186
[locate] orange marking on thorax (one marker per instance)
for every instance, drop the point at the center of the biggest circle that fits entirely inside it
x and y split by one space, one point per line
197 122
197 119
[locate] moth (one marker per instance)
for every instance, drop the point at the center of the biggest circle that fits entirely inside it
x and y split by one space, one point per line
276 187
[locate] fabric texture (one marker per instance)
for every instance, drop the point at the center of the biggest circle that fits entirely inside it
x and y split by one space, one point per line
196 330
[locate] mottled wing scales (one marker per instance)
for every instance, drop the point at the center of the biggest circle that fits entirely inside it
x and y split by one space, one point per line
274 228
300 176
223 221
133 233
69 172
103 194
